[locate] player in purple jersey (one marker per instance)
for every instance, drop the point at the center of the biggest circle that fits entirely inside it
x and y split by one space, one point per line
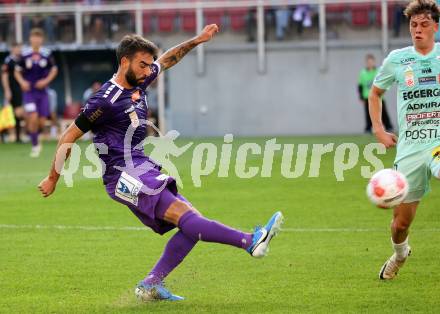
34 72
116 115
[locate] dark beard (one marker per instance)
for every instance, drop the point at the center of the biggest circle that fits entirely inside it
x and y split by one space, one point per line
130 77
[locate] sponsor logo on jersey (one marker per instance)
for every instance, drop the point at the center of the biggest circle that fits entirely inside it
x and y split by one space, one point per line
422 116
95 115
425 63
427 80
422 134
426 105
421 93
408 61
426 71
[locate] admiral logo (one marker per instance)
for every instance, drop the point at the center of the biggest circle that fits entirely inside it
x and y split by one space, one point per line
427 80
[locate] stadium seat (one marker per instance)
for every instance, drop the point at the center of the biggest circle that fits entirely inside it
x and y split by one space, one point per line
360 14
237 18
211 16
147 19
188 20
165 20
336 12
214 16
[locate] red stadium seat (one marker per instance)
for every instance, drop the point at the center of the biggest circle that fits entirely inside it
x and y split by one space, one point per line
335 8
336 12
147 18
71 111
188 18
237 18
360 14
214 16
166 20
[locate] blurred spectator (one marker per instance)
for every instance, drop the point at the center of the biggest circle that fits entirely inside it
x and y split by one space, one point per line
282 15
97 24
91 91
44 21
251 24
398 17
365 82
302 15
11 88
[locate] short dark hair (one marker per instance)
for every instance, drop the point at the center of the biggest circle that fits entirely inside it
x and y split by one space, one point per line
370 56
37 32
130 44
428 7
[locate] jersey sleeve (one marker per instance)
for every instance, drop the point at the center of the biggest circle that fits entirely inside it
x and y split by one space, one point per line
95 113
20 64
155 71
386 75
51 61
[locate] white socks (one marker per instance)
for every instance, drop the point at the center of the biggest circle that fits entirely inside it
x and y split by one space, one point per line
401 249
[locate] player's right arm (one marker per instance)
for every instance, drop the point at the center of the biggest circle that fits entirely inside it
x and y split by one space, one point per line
25 85
70 136
375 108
383 80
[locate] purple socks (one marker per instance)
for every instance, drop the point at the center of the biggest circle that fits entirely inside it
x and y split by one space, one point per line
34 138
175 251
193 228
198 227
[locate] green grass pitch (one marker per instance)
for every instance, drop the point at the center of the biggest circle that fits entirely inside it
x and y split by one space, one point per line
326 260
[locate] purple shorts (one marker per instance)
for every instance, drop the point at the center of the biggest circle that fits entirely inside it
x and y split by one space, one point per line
37 101
149 206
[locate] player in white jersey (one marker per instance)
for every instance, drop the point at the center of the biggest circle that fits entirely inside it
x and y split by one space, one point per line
416 71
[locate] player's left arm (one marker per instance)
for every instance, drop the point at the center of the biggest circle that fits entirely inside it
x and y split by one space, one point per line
175 54
43 83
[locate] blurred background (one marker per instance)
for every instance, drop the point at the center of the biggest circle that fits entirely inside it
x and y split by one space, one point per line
276 67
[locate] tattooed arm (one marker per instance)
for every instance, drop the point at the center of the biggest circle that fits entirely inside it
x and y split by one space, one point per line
175 54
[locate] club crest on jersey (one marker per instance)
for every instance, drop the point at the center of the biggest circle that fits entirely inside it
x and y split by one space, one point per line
409 77
42 63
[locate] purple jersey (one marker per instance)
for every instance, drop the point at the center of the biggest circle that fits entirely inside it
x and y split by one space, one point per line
35 65
117 114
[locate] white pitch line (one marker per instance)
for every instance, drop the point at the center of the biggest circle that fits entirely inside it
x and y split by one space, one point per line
132 228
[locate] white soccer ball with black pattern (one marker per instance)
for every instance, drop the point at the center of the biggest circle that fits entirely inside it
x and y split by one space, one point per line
387 188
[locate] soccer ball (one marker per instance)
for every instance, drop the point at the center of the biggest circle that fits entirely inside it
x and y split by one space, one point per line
387 188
